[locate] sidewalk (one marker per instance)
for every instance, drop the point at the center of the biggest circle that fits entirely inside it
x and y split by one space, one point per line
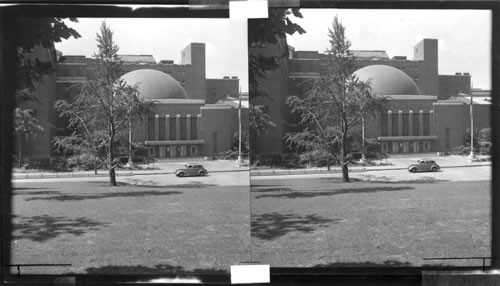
394 163
162 166
168 166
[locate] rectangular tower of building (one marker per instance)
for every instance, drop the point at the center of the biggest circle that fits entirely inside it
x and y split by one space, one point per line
427 51
194 55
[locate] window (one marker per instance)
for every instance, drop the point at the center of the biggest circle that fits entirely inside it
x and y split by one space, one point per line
405 124
383 122
172 129
427 124
151 128
194 127
162 128
416 124
395 124
183 128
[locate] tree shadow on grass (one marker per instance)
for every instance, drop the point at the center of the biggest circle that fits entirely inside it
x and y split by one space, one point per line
104 195
35 193
273 225
386 180
165 269
137 183
387 263
288 193
44 227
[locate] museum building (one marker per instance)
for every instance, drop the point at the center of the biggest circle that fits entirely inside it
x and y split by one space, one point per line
194 115
427 112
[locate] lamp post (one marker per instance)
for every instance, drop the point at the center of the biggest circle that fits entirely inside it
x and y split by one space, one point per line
240 158
471 155
130 162
363 158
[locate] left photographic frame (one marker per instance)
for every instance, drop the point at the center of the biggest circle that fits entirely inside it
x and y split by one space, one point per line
127 147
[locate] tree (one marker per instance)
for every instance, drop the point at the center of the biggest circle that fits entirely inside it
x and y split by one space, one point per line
476 138
34 33
102 110
260 121
25 125
264 32
336 102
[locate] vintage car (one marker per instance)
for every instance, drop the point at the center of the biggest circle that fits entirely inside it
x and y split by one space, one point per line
191 169
424 166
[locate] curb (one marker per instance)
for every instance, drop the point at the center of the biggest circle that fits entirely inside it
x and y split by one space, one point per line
21 176
360 170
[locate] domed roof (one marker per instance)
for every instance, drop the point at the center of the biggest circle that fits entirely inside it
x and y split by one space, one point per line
153 84
387 80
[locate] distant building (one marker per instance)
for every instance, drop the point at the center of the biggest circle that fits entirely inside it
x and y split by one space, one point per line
428 112
190 119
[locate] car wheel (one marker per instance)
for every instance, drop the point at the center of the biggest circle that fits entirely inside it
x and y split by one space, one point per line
413 170
201 173
434 169
181 174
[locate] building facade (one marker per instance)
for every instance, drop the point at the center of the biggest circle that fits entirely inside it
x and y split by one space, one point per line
427 112
192 117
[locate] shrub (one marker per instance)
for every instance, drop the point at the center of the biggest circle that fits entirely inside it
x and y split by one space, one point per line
280 160
47 164
228 155
318 158
84 162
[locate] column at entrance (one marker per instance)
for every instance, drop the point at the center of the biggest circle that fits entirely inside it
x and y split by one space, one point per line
183 151
406 147
395 147
162 151
389 123
415 147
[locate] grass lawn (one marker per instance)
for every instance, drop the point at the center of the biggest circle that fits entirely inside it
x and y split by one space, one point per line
324 222
130 229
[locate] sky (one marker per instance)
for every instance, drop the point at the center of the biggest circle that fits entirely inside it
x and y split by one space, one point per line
464 36
225 41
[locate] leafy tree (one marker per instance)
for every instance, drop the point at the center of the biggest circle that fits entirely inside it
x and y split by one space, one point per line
25 125
101 112
245 144
263 32
34 33
476 138
335 104
260 121
485 135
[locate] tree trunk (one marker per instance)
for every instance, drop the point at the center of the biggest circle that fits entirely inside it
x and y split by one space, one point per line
19 152
328 163
345 171
112 176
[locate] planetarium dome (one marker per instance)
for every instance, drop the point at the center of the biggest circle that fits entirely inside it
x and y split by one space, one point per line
153 84
387 80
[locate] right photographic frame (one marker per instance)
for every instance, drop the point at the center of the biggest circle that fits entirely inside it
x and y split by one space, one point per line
371 137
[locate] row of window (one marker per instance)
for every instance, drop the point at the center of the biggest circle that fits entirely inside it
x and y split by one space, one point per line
408 128
406 147
174 151
167 129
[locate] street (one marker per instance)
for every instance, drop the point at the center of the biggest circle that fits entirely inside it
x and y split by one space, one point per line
381 218
156 224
